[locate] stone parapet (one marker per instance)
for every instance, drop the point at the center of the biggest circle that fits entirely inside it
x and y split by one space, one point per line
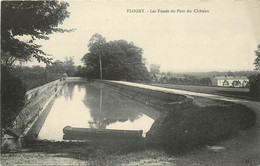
157 99
37 99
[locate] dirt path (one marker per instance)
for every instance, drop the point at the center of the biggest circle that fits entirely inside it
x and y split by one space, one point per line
39 158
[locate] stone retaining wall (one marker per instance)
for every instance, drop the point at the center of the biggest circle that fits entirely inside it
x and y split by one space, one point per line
157 99
37 99
35 128
33 115
160 100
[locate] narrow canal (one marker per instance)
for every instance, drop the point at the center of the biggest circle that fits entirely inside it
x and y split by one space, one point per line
86 105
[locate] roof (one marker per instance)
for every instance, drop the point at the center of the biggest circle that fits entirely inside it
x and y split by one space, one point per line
230 77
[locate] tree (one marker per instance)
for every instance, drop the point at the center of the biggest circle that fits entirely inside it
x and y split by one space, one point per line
34 19
80 71
173 80
257 59
62 67
120 60
21 20
254 85
154 69
205 81
12 97
34 76
69 66
95 46
190 80
56 67
255 79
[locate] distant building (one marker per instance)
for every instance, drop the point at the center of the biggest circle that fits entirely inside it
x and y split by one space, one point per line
230 81
160 78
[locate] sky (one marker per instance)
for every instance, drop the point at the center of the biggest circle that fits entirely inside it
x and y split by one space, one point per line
222 39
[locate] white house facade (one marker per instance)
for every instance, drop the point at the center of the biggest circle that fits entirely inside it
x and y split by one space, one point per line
230 81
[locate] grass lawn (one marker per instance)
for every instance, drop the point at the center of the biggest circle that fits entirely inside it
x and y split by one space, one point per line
242 93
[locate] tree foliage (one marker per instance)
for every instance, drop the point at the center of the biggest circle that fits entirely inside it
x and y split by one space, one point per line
154 69
69 66
35 19
257 59
35 76
184 80
120 60
255 86
255 79
12 96
62 67
22 20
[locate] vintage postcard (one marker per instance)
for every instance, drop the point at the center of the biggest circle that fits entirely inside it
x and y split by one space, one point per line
165 82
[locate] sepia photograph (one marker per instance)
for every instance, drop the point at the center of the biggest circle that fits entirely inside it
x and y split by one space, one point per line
132 83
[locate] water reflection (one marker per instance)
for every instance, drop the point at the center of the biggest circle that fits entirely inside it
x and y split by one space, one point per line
89 106
109 108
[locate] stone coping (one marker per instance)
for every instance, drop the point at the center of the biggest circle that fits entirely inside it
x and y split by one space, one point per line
164 97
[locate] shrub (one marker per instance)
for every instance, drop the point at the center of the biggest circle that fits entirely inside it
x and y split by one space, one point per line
183 130
35 76
255 86
12 96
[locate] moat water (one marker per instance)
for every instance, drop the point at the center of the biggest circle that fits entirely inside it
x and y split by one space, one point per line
89 105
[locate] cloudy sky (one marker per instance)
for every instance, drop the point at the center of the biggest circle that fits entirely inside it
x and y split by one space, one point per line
222 39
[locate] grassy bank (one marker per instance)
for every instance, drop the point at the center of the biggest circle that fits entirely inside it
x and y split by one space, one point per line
242 93
183 130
